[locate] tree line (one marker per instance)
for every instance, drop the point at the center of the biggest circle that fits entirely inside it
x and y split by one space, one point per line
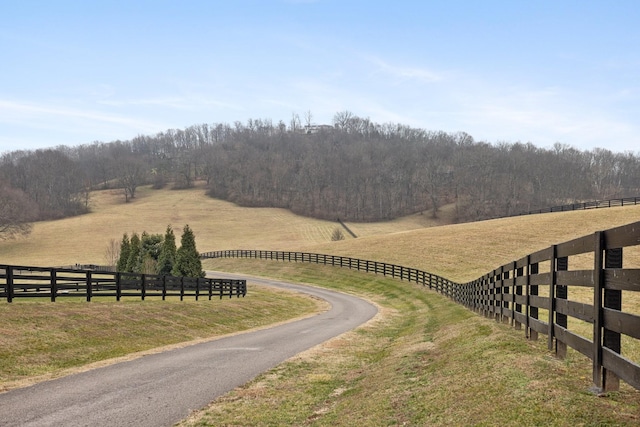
353 169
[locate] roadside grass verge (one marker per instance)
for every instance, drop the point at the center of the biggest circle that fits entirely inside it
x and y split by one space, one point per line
423 361
41 340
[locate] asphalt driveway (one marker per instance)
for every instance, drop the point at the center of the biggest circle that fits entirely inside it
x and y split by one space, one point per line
162 389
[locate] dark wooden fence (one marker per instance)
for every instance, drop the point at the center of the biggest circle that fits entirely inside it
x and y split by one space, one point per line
627 201
539 294
53 283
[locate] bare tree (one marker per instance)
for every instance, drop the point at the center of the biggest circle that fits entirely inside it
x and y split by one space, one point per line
16 212
112 253
132 175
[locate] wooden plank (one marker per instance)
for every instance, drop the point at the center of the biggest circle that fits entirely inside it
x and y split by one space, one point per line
538 325
540 256
626 235
539 302
577 246
520 299
622 367
575 309
522 318
622 279
575 278
574 341
620 322
540 279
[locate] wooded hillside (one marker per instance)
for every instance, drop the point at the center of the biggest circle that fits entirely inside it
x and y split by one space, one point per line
353 169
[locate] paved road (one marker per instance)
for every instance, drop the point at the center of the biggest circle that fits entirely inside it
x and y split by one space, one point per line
162 389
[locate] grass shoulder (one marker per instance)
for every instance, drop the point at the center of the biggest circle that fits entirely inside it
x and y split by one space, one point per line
40 340
424 361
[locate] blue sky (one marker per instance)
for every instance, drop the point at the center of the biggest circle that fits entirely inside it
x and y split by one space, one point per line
74 72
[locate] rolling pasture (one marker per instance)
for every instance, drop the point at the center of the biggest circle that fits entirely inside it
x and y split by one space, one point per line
423 361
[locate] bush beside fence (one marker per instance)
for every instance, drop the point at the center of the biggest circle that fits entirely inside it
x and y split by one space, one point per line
53 283
513 293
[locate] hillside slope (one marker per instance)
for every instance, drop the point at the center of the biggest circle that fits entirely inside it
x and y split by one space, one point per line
463 252
460 251
217 225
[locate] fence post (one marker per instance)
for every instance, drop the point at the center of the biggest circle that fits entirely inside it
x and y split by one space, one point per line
517 291
143 286
613 301
89 286
118 286
54 284
164 287
552 296
532 291
181 288
210 281
9 272
504 296
197 288
598 278
561 319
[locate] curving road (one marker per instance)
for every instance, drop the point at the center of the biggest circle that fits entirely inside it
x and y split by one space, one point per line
162 389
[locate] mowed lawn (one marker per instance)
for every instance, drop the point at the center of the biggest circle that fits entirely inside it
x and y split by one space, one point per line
423 361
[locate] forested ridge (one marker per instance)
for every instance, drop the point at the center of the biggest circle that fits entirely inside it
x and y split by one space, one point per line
352 169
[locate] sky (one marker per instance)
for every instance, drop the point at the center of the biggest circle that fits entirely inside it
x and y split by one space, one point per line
543 71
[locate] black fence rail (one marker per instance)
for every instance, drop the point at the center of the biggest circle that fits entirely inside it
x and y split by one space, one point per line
53 283
626 201
580 308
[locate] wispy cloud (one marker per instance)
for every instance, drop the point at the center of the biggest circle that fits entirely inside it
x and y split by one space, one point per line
54 125
11 110
180 103
423 75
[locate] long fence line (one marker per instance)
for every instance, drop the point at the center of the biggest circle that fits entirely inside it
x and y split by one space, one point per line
595 204
53 283
533 294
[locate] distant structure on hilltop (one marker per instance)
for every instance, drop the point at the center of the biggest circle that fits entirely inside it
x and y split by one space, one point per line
309 129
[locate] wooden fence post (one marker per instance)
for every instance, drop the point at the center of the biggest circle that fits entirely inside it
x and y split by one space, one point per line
552 296
9 273
562 264
164 287
54 284
504 295
517 291
612 300
532 291
182 288
89 289
118 286
598 278
143 286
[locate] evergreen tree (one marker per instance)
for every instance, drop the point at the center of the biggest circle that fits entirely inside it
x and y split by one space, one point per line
125 248
150 247
188 262
167 257
135 247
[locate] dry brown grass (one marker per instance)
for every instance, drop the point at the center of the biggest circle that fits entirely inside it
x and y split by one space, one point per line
463 252
217 225
459 252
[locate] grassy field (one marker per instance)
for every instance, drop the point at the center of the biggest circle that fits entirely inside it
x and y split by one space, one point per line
423 361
